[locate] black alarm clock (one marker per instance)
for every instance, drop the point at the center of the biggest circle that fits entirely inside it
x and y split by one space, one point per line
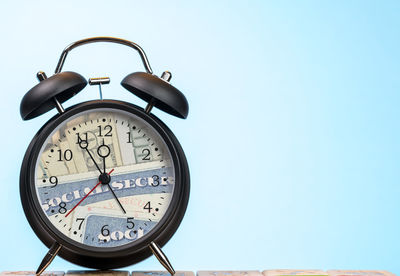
104 183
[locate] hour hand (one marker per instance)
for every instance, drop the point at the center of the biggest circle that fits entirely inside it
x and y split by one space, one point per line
83 144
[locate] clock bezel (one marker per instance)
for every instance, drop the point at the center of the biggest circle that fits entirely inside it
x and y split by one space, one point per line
106 257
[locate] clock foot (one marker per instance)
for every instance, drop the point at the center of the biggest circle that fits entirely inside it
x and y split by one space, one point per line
51 254
161 257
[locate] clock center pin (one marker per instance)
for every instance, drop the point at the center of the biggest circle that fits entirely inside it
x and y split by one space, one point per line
105 178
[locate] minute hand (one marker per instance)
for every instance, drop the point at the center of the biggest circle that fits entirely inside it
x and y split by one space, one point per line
120 205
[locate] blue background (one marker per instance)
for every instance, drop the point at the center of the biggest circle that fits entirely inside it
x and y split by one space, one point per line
292 137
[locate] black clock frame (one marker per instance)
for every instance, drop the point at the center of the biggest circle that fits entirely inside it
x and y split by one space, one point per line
110 257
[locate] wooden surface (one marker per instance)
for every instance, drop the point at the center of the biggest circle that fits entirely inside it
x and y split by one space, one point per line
277 272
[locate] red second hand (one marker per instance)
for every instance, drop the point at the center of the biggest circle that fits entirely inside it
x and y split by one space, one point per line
86 195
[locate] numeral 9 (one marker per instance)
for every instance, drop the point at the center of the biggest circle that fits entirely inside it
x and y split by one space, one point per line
53 180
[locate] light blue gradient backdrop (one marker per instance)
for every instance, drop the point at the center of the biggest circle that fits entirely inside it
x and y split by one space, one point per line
292 138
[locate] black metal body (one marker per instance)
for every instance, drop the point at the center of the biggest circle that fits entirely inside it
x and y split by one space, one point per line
95 257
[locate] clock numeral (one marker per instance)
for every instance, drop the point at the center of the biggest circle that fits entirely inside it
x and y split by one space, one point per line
67 155
62 209
104 231
53 180
107 129
80 224
130 223
147 154
147 206
156 181
129 137
80 140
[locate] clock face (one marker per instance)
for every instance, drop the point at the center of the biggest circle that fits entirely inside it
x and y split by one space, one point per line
104 178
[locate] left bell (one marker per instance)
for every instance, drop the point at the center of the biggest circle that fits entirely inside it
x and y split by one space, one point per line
50 91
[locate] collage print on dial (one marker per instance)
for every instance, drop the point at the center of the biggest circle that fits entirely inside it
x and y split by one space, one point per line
104 178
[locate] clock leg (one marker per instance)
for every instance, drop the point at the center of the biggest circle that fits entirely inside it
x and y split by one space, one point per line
51 254
161 257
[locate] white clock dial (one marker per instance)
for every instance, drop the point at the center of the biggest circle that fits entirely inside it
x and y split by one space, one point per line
104 178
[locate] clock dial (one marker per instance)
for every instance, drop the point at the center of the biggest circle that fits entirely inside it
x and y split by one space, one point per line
104 178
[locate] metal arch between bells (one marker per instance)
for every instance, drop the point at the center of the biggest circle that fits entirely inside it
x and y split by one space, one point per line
81 42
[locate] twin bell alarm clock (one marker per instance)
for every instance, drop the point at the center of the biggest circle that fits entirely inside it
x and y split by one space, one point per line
104 183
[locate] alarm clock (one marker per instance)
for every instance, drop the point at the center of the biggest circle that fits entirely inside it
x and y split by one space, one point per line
104 183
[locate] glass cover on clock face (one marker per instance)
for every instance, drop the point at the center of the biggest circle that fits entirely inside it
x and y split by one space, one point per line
104 177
